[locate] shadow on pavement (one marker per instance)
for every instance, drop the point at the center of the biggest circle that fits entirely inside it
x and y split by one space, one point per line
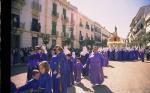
71 90
18 69
102 89
127 61
105 77
147 62
110 66
84 88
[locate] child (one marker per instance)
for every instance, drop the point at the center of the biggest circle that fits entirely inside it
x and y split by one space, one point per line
33 84
77 70
45 78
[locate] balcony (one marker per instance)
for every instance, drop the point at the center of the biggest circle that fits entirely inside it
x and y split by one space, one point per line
36 8
22 27
64 19
87 26
55 15
81 25
55 35
65 35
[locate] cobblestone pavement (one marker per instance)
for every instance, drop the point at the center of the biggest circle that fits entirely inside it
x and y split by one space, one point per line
120 77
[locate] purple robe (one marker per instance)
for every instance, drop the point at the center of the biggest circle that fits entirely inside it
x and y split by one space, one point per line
70 72
95 69
45 83
142 55
32 64
105 59
77 71
83 61
32 84
13 87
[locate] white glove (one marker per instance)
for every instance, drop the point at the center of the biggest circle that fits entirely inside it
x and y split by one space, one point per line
55 72
58 75
84 66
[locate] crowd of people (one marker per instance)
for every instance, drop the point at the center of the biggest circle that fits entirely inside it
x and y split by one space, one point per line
53 71
63 70
126 54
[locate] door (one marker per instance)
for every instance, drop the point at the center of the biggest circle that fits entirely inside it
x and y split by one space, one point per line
15 41
34 41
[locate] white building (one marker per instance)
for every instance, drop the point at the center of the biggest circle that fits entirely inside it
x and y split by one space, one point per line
34 20
140 22
28 24
147 21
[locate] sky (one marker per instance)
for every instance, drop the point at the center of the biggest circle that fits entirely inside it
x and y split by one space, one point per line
111 13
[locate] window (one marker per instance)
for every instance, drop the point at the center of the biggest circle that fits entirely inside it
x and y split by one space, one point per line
87 25
54 28
64 30
81 37
15 20
64 13
92 28
87 37
54 12
35 26
72 18
34 41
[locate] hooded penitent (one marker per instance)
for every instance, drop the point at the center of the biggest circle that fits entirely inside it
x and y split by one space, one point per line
84 51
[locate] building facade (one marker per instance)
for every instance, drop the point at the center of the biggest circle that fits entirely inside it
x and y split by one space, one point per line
147 23
140 23
100 33
34 22
27 21
85 27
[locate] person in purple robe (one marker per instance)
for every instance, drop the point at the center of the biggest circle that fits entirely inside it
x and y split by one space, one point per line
110 54
136 54
70 70
131 54
53 64
33 60
105 58
45 80
142 53
78 70
32 85
44 54
127 54
116 54
95 67
62 69
84 56
119 55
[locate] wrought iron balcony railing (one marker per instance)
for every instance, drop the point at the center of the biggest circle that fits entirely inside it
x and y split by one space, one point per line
64 18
